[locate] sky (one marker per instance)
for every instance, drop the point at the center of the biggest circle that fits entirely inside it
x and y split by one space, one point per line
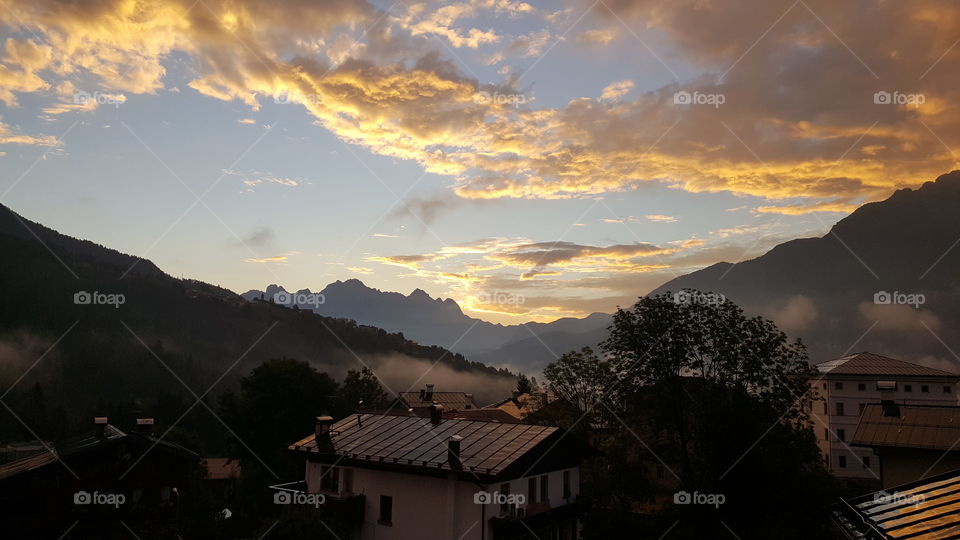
531 160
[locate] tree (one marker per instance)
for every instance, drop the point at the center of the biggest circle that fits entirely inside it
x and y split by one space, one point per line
713 397
277 405
363 386
523 384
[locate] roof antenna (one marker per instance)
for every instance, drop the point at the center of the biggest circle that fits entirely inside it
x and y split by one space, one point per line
359 420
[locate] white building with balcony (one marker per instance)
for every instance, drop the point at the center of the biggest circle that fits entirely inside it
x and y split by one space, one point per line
408 477
846 385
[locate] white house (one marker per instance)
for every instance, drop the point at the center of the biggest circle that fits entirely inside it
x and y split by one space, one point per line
439 478
846 385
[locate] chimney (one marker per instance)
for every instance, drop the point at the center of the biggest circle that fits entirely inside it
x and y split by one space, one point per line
359 407
469 404
321 433
144 425
436 414
453 451
428 394
100 426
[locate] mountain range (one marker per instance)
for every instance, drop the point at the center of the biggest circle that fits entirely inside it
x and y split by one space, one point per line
886 278
441 322
821 290
110 328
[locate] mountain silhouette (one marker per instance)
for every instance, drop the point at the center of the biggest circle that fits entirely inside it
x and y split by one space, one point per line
166 333
441 322
832 291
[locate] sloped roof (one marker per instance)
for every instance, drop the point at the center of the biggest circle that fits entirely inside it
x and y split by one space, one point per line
485 415
867 363
222 468
449 400
487 448
84 444
923 510
917 426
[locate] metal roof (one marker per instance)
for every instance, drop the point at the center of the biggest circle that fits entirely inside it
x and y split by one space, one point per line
867 363
487 447
914 426
450 400
928 509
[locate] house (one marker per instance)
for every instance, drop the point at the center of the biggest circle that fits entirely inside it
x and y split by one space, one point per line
427 396
847 385
519 405
921 510
911 442
109 477
445 478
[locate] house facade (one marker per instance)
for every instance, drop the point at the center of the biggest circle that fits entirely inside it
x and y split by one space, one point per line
847 385
438 477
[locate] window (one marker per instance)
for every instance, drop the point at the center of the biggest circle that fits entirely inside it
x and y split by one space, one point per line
908 388
862 387
947 389
826 434
924 388
544 488
386 510
504 491
330 479
866 462
826 408
839 406
824 386
566 480
838 386
347 480
842 460
841 434
532 490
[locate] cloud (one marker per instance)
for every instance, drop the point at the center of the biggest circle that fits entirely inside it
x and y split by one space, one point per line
596 37
259 237
801 99
246 121
660 218
274 259
9 136
899 318
616 90
253 178
796 314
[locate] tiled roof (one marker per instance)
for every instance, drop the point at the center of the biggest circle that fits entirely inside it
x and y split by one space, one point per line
867 363
409 441
449 400
916 426
222 468
924 510
485 415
